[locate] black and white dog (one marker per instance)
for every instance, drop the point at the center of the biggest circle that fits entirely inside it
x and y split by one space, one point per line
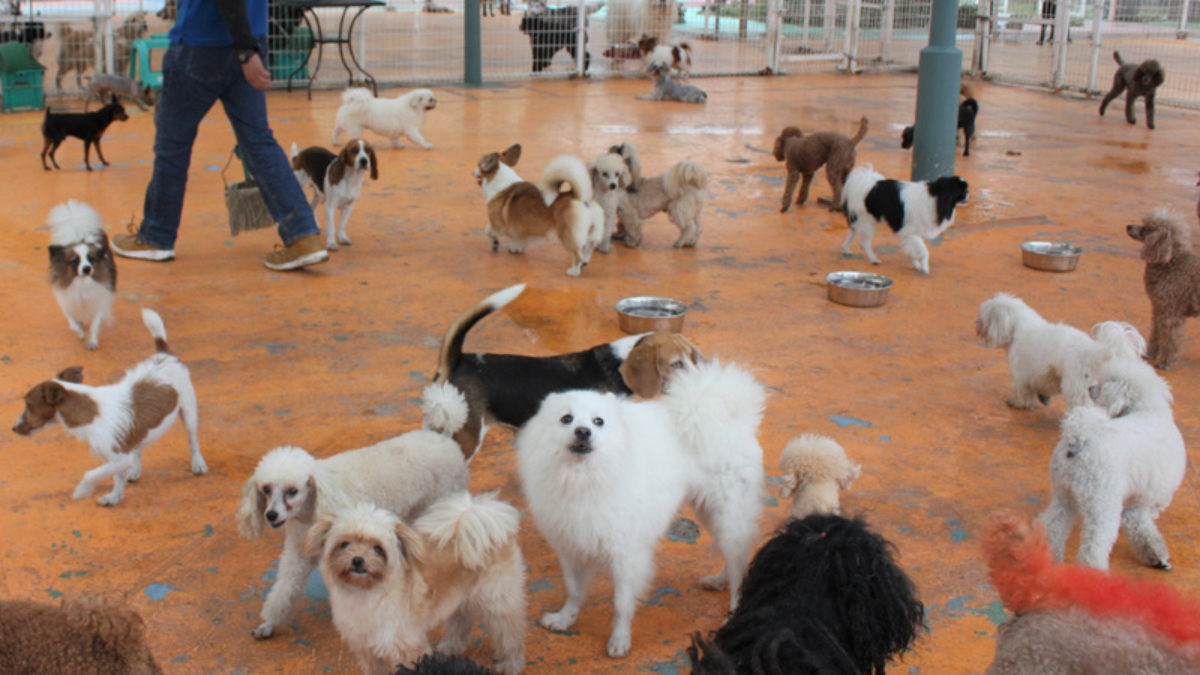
551 30
30 33
914 211
967 110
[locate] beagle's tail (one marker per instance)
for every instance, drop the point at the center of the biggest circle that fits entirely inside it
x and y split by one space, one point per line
477 529
154 323
457 332
862 131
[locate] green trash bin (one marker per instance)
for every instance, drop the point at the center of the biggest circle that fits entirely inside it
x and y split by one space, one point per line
20 78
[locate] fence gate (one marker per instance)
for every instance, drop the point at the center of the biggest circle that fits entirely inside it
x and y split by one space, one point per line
808 31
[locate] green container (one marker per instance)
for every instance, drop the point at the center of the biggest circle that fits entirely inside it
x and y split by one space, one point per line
22 90
296 48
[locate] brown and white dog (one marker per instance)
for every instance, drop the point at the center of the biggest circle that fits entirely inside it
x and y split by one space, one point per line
119 421
508 389
83 274
391 583
338 180
520 211
677 57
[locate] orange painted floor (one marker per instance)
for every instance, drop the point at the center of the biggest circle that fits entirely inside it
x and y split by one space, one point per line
335 358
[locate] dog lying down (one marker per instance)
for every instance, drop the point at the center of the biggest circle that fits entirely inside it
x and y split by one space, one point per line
666 88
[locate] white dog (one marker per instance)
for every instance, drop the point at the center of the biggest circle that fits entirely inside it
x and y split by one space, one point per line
290 487
390 584
913 210
83 274
1045 359
603 477
1117 466
814 468
389 117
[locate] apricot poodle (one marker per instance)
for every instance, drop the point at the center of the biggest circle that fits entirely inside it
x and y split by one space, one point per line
88 635
806 154
1172 281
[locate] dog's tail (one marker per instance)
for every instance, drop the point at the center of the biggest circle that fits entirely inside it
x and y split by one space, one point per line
683 177
1117 58
715 393
858 183
73 222
566 169
294 154
629 153
357 97
475 529
445 408
997 320
452 342
1119 339
972 104
1025 576
862 131
154 323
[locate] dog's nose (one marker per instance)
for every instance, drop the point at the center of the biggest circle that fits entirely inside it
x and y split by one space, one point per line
612 185
85 270
362 163
583 433
357 562
271 516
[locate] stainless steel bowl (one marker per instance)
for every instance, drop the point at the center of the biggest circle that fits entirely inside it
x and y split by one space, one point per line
642 314
1050 256
858 289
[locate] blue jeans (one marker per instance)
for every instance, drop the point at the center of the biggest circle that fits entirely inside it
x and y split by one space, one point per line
195 78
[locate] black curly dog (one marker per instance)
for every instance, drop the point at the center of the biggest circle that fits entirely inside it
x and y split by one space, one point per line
442 664
1141 79
550 31
823 597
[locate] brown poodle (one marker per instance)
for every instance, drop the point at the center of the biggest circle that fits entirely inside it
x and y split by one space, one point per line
1172 281
1142 79
82 636
806 154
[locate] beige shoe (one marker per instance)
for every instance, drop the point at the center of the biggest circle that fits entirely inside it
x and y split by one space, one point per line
305 251
132 246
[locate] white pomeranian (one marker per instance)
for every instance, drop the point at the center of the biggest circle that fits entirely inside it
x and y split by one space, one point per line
388 117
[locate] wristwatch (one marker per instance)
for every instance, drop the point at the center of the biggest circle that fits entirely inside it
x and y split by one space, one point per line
244 55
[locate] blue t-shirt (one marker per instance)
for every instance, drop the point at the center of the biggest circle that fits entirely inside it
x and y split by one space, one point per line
198 23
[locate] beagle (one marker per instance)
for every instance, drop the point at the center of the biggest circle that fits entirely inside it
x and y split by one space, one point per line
338 180
508 389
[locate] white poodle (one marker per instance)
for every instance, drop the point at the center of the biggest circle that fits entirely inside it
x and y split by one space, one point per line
1045 359
1117 466
389 117
603 477
814 468
290 487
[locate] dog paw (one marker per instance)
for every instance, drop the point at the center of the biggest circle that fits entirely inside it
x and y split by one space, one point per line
79 332
109 499
1018 405
714 582
558 620
1045 400
618 644
331 246
574 270
265 630
199 467
427 146
1161 565
82 490
92 345
134 475
344 240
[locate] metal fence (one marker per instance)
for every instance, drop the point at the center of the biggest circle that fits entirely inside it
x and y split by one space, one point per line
419 42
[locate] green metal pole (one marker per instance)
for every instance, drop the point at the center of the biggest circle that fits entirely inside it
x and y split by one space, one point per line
472 44
938 79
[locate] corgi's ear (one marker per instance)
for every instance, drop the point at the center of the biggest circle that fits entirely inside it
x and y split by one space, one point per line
512 154
489 162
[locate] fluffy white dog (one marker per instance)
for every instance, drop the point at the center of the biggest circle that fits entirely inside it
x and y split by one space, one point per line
390 584
603 477
1045 359
389 117
1117 466
290 487
814 468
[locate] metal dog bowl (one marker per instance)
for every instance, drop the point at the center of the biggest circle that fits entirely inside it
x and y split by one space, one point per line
858 289
643 314
1050 256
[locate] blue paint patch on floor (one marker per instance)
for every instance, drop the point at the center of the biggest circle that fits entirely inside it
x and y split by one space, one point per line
53 593
541 585
157 591
680 664
959 534
180 659
315 589
660 593
885 438
849 421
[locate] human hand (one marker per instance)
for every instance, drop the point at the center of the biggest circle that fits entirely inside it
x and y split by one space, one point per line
256 73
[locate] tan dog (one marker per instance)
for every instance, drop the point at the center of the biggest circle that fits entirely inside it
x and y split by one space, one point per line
77 50
679 192
390 584
519 211
1171 278
814 468
82 636
806 154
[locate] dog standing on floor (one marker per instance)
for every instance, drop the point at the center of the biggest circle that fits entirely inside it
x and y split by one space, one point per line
914 211
88 127
88 635
1141 79
291 488
824 596
551 30
603 477
390 117
508 389
679 192
338 181
101 87
1117 465
806 154
1172 281
967 111
390 584
814 468
83 273
610 177
119 421
520 211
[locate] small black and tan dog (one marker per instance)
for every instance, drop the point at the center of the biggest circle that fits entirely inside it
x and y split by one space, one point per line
967 110
87 126
1141 79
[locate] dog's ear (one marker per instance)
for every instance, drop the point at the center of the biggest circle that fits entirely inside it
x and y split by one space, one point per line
72 374
374 163
53 393
250 510
312 501
346 156
1157 246
314 539
489 162
640 370
626 178
57 256
412 547
415 103
693 351
847 479
114 99
512 154
789 483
